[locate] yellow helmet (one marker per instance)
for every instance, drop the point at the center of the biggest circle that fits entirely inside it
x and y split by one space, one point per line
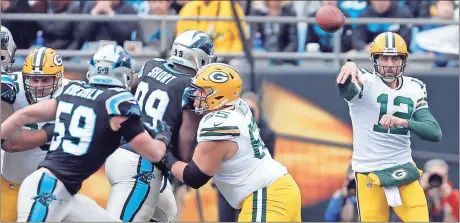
42 62
221 84
389 44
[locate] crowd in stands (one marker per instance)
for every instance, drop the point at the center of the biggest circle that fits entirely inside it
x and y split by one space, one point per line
267 36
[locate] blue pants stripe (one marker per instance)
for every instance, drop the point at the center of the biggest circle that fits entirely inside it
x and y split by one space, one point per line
138 194
39 211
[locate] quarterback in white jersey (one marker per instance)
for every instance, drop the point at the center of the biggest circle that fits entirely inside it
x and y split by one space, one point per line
231 152
41 78
385 107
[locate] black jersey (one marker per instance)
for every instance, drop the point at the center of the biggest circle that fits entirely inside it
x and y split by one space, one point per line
9 88
83 138
160 94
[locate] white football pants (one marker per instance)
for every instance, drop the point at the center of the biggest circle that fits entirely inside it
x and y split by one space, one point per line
135 186
43 198
166 210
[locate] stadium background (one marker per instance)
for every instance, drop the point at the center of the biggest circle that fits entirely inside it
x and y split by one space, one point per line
313 126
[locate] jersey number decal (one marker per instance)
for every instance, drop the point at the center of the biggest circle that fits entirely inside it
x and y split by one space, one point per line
383 100
155 104
257 144
80 130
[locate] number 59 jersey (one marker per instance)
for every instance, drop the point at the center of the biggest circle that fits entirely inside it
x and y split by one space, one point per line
375 147
83 137
160 93
252 167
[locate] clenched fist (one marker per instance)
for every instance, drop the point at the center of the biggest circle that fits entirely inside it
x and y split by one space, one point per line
390 121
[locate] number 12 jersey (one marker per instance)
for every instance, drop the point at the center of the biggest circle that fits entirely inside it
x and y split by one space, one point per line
375 147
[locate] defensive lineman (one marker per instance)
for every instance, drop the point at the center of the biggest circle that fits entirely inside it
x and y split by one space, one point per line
160 93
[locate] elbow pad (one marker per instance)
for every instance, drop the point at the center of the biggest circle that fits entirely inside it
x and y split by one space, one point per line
194 177
132 127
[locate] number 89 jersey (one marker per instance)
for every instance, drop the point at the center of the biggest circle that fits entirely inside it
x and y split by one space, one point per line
374 147
160 93
252 167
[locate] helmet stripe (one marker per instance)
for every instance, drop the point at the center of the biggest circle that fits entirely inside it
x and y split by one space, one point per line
393 40
389 40
38 58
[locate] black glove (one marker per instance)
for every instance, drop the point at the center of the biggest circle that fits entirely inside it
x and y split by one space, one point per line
166 163
169 159
162 132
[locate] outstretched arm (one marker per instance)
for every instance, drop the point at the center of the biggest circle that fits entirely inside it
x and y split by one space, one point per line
36 113
425 126
348 81
28 139
205 162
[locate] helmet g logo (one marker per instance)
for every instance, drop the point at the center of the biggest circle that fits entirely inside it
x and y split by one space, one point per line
399 174
218 77
57 60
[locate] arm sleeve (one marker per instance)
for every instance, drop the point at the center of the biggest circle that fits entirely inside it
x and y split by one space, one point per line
49 130
425 126
349 90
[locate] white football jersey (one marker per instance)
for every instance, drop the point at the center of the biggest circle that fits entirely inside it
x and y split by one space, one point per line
252 167
374 147
17 166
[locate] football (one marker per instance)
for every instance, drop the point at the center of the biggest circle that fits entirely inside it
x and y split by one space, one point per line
330 18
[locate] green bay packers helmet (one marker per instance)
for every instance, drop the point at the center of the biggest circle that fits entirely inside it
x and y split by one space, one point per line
221 85
42 62
389 44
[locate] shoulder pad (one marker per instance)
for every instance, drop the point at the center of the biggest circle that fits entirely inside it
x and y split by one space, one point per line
418 82
65 83
363 71
420 93
219 125
122 103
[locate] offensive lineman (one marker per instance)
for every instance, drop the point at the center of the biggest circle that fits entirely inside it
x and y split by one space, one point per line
385 107
231 152
41 78
90 121
160 93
